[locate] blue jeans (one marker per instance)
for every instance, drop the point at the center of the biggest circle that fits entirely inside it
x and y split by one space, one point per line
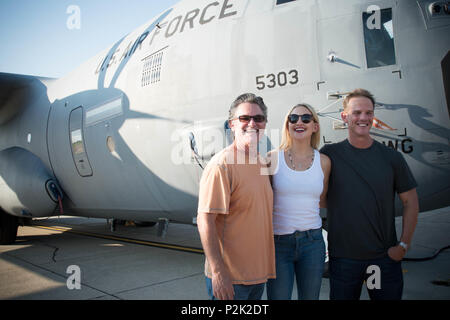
301 254
347 277
241 292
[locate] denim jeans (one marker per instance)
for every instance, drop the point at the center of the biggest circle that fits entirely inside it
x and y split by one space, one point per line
348 275
241 292
301 254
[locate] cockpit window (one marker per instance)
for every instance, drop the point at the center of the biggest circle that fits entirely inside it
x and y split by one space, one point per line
283 1
379 38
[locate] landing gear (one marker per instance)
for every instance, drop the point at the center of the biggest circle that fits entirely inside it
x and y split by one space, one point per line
113 223
8 228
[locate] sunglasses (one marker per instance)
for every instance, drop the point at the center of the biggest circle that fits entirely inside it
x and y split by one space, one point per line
258 118
306 118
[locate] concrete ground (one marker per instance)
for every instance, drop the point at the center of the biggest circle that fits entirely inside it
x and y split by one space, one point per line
38 265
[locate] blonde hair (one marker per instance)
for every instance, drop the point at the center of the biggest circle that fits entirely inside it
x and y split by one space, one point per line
286 139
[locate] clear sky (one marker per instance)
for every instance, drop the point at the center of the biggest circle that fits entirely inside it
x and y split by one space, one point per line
41 37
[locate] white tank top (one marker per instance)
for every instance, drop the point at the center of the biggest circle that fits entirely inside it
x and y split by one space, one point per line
296 197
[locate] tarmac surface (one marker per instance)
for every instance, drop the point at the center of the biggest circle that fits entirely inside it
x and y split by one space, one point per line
48 256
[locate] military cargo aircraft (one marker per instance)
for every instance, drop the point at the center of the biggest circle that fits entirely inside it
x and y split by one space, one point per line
127 134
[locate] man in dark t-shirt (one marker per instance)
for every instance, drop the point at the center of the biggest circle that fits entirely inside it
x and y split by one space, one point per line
364 178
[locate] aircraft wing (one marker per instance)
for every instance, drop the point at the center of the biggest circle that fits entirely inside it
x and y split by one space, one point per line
10 84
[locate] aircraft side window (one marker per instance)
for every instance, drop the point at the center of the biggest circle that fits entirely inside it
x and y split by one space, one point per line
284 1
77 142
379 38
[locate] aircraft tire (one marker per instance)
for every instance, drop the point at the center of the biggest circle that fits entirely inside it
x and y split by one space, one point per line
8 228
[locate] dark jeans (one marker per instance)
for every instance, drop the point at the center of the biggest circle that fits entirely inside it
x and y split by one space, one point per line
300 255
241 292
383 276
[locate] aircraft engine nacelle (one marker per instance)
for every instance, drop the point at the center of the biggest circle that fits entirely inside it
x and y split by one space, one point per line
26 187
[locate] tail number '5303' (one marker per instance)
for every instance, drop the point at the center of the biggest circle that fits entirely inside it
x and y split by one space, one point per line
281 79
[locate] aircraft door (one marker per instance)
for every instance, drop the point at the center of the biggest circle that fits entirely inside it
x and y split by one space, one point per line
77 143
67 149
356 45
357 49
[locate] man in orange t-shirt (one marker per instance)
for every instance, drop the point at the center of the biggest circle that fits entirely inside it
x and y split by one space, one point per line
235 210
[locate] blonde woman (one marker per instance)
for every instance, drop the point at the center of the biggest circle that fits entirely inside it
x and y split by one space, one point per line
299 181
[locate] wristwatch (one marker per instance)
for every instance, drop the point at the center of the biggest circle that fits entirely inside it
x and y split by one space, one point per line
403 245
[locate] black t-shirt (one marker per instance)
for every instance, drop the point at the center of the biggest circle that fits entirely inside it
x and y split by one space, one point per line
361 198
